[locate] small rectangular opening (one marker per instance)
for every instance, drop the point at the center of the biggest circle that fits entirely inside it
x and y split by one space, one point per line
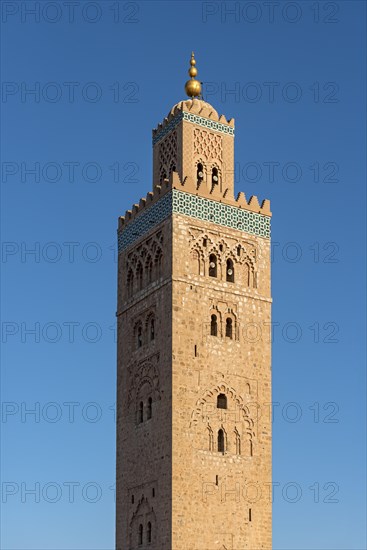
216 480
249 514
196 350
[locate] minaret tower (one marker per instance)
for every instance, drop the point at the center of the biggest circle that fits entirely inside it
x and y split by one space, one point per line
194 348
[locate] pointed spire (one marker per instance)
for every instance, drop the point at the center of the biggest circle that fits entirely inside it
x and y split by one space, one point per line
193 86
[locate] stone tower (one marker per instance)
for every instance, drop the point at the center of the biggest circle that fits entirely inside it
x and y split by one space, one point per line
194 351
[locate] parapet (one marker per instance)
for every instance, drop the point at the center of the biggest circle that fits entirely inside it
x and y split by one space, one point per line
189 186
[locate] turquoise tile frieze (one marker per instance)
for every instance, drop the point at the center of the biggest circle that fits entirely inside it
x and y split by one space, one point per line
179 202
144 221
166 129
196 119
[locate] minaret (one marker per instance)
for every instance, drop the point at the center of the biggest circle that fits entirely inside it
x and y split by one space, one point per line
194 349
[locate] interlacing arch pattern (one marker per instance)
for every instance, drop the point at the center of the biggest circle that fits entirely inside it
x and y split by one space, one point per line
142 526
144 264
167 156
217 259
207 144
232 432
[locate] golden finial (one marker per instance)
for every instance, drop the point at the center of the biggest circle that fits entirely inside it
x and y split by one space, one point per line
193 86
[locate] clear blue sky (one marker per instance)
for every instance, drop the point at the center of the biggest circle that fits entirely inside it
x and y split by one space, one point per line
103 79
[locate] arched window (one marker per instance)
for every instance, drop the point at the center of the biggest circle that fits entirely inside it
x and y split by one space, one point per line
140 535
220 441
230 271
149 271
158 264
214 326
152 329
212 265
215 178
130 282
149 411
229 328
141 412
139 336
139 276
149 532
222 401
199 173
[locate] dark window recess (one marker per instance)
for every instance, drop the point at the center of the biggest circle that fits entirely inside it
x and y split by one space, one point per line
230 271
199 173
220 441
229 328
222 401
214 326
212 265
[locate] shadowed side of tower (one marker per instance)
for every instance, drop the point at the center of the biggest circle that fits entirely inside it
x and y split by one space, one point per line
194 348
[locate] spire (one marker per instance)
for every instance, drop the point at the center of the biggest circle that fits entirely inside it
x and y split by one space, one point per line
193 86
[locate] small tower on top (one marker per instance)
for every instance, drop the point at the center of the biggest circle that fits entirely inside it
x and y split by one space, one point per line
196 143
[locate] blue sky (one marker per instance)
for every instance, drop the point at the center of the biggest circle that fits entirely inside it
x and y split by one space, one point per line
103 75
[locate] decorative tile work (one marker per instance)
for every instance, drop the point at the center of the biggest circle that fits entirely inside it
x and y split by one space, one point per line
166 129
146 220
208 123
180 202
196 119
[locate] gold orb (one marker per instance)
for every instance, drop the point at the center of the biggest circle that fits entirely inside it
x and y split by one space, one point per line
193 71
193 88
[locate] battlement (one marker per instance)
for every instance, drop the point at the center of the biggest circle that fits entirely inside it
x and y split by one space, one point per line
189 186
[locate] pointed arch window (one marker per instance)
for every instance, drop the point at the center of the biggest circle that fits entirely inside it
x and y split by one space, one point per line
140 535
212 265
149 532
229 328
130 282
220 441
159 263
215 178
149 271
222 401
214 326
230 271
199 173
139 276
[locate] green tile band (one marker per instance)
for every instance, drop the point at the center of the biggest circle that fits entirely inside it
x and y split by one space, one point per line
180 202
